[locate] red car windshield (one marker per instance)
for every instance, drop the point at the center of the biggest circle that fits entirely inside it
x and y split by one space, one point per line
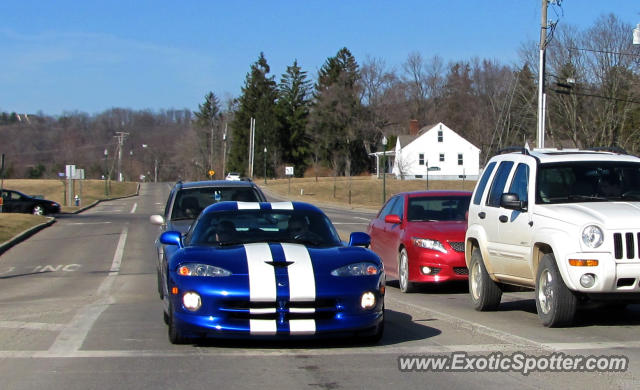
438 208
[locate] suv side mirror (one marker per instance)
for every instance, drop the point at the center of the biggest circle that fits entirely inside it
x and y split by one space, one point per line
511 201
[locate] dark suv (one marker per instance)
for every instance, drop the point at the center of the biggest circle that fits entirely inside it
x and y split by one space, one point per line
187 200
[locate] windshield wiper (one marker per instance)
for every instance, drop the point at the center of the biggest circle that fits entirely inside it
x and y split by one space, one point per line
586 197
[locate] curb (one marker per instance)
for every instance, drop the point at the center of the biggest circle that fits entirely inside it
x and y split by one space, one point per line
25 234
5 246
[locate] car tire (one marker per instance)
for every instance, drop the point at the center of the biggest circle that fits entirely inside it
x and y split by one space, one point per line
403 272
175 335
37 210
485 293
556 304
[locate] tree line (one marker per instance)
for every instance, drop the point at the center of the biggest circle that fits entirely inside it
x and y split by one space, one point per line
328 124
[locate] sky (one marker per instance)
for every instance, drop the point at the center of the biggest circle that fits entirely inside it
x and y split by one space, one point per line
89 56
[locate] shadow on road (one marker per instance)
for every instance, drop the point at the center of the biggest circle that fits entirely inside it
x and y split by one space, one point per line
399 328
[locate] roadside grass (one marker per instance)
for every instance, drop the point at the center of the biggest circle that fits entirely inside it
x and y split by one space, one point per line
12 224
366 191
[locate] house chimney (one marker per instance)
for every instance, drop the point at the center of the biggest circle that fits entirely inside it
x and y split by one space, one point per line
413 127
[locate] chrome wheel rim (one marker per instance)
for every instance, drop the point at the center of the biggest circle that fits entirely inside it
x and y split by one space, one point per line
545 292
404 271
37 210
476 282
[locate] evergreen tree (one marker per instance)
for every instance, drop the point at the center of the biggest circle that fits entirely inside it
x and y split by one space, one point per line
293 111
257 101
208 135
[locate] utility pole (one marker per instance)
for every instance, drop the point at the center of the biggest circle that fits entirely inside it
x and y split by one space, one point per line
120 135
224 150
541 70
252 138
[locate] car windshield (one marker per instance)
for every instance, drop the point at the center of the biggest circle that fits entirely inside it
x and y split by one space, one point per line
190 202
438 208
246 226
592 181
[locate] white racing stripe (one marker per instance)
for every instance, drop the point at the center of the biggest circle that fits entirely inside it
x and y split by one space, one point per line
302 286
262 284
248 206
281 206
302 326
266 310
302 283
263 327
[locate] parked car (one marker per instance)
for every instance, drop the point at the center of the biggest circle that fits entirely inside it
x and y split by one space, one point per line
561 222
270 270
187 200
233 176
17 202
420 237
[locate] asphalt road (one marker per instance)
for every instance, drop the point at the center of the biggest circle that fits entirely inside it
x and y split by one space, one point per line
79 309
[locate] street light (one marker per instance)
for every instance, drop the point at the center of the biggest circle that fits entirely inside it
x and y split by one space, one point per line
106 172
384 169
265 165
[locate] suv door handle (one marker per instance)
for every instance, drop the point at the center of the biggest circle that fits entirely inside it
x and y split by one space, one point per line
482 214
503 218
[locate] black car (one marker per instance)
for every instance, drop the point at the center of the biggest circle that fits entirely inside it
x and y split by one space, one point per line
187 200
17 202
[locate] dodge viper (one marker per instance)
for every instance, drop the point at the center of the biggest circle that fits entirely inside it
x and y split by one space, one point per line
270 270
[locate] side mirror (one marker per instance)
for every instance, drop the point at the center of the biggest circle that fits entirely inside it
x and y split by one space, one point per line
359 239
392 218
171 238
156 219
511 201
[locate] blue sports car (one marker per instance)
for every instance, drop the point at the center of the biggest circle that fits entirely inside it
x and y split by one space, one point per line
270 270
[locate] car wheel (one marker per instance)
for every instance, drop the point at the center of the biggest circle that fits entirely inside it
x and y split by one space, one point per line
403 272
165 317
175 335
556 304
37 210
485 293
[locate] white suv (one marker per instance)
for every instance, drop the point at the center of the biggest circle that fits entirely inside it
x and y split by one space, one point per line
563 222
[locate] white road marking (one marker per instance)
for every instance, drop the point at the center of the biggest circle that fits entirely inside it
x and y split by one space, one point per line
133 209
30 325
88 223
75 332
117 257
365 350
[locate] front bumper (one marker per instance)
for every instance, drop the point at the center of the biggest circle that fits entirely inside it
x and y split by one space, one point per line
445 267
611 276
229 313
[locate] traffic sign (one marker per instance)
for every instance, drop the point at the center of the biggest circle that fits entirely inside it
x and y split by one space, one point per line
211 173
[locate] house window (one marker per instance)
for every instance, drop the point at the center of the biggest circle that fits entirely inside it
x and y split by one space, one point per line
421 159
439 135
460 160
441 156
418 176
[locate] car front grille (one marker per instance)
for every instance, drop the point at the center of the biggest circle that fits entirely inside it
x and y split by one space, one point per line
457 246
317 310
625 245
461 270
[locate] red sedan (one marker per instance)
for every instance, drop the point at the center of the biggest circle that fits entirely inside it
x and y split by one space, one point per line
420 237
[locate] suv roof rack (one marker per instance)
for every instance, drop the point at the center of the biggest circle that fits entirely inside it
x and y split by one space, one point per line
612 149
511 149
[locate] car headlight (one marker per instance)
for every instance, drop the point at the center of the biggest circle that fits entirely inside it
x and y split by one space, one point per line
357 269
428 244
592 236
195 269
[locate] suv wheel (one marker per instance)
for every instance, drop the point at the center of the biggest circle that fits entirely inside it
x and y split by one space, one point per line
485 293
403 272
556 304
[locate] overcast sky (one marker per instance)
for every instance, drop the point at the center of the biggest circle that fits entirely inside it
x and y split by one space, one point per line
90 56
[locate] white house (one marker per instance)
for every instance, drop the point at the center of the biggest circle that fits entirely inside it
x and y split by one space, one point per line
438 149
